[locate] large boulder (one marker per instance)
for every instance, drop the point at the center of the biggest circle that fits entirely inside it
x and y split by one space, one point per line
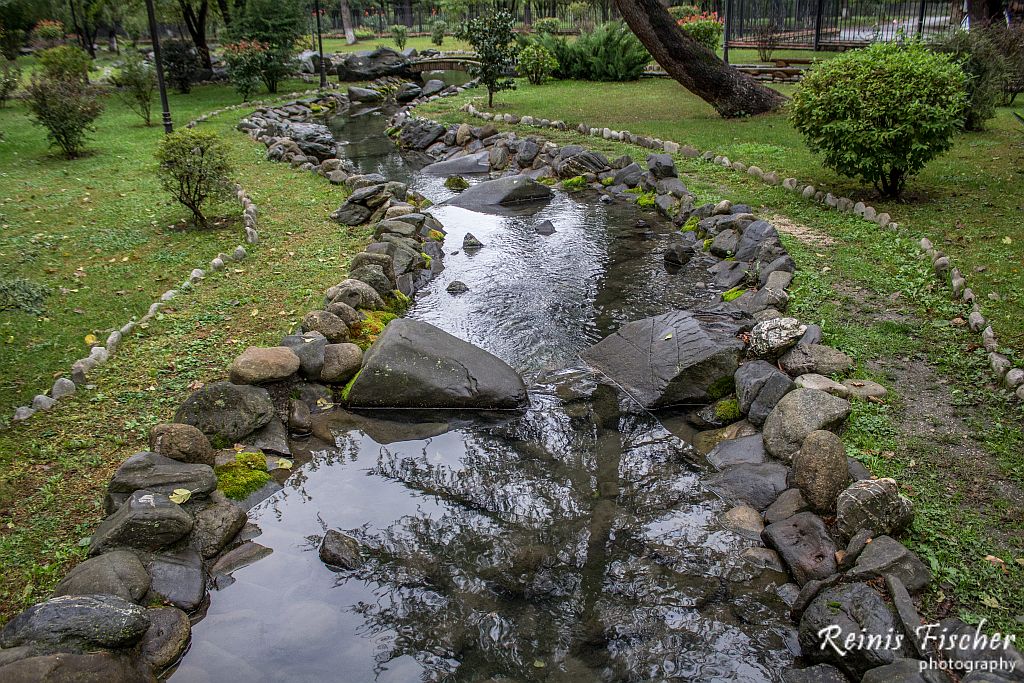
759 388
117 573
156 473
257 365
799 413
471 163
573 160
820 470
420 134
147 521
177 578
416 365
368 66
168 635
225 412
357 294
78 621
671 359
502 193
804 545
874 505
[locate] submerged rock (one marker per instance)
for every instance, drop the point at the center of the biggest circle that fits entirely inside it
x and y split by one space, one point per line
341 550
804 545
507 192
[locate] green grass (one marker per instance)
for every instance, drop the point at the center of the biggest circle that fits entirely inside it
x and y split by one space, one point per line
967 201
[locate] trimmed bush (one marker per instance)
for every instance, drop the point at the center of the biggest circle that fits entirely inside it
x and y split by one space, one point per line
882 112
985 68
399 34
193 168
10 79
437 30
536 63
683 11
547 26
181 64
65 63
611 52
365 34
135 86
47 33
704 27
66 108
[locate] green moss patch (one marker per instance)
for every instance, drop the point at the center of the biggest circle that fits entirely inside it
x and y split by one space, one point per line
734 293
366 331
577 183
238 479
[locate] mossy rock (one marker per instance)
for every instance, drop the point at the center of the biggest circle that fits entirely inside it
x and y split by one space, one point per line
366 331
247 474
731 294
576 183
456 183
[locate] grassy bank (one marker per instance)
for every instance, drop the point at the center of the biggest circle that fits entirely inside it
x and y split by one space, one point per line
952 439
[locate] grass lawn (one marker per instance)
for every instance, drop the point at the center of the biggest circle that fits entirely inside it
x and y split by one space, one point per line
968 201
953 441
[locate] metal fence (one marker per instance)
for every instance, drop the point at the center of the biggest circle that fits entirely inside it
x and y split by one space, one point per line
834 24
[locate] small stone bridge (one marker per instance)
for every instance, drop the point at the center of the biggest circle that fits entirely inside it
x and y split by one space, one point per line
444 63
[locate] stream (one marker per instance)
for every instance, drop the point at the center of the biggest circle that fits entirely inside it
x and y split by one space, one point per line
572 542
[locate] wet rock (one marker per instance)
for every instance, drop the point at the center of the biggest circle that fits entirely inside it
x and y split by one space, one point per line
329 325
823 360
509 191
77 622
258 365
116 573
675 358
165 640
358 294
804 545
479 162
705 442
759 388
242 556
747 449
819 673
821 383
457 287
226 412
799 413
341 550
808 592
181 442
545 228
772 337
820 470
470 242
341 362
147 521
177 578
755 484
903 671
854 610
270 438
67 667
158 474
678 254
790 502
875 505
744 521
885 555
416 365
309 348
216 523
299 416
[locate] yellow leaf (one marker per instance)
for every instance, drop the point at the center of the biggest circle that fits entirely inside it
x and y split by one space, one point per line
667 337
255 312
284 463
989 601
90 339
180 496
1007 240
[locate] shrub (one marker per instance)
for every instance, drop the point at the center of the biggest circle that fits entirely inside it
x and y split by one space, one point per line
19 294
575 183
47 33
609 53
437 29
193 168
365 34
277 23
10 79
493 38
245 60
881 113
65 63
536 63
985 67
683 11
706 28
547 26
181 64
135 86
400 34
1009 40
66 108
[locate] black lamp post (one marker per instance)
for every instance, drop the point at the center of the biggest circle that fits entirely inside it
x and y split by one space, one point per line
168 124
320 45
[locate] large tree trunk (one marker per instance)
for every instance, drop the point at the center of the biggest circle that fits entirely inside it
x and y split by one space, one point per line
699 70
346 22
225 12
195 22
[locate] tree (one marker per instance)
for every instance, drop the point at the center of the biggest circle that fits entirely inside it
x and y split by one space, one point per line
695 67
195 15
193 168
66 108
346 22
493 38
278 23
136 85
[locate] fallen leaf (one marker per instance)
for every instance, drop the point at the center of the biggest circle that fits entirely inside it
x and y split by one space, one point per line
284 463
90 339
180 496
994 560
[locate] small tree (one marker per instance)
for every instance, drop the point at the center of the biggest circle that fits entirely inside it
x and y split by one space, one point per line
181 64
47 33
19 294
277 25
65 63
493 38
437 30
193 168
66 108
985 67
400 34
245 60
881 113
10 79
537 63
135 86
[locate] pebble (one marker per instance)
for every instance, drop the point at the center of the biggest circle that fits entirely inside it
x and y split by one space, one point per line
822 383
43 402
864 389
23 413
63 387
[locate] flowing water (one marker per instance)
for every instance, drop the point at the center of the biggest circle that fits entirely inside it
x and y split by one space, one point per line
574 542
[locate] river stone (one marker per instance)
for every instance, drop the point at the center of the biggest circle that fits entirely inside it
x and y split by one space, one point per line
799 413
351 214
510 191
744 521
115 573
416 365
757 484
177 578
885 555
628 175
746 449
479 162
299 416
341 363
181 442
270 438
875 505
374 276
820 470
864 389
789 503
349 315
216 523
661 166
357 294
904 671
849 609
545 228
165 640
815 381
772 337
309 348
671 359
574 160
366 258
356 94
819 673
147 520
804 545
329 325
407 92
226 412
78 622
341 550
257 365
823 360
759 388
68 667
704 442
156 473
755 236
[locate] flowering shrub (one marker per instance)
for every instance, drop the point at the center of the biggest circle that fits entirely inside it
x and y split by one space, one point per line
706 28
47 33
245 60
